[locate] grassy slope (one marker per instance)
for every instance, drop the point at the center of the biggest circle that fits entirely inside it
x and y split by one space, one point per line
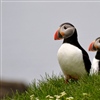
87 88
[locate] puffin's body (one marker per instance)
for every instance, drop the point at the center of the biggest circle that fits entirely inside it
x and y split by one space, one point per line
73 59
95 46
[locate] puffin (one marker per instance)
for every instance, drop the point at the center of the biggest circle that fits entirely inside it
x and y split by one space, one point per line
95 46
73 59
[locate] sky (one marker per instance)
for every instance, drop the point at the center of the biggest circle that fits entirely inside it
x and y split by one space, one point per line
28 49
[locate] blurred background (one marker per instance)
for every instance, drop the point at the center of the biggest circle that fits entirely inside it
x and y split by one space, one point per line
28 48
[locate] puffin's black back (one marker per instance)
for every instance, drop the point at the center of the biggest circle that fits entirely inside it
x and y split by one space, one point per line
74 41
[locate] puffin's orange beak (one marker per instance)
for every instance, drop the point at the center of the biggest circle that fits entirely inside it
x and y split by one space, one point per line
91 47
56 37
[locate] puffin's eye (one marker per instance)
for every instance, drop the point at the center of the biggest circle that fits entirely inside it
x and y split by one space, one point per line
65 27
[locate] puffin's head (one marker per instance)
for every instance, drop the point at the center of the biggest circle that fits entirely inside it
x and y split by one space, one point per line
65 30
95 45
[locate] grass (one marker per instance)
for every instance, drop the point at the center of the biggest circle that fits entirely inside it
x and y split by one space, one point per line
54 88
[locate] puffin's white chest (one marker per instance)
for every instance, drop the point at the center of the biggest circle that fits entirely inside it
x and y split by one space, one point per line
95 67
71 60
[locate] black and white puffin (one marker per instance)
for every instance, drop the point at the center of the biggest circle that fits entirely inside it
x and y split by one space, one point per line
73 59
95 46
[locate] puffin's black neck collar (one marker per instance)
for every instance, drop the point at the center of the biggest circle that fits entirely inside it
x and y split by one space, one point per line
97 55
72 40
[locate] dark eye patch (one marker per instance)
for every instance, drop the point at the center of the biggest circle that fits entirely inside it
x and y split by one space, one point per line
65 27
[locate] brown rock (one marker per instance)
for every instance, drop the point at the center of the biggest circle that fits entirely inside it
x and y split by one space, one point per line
9 88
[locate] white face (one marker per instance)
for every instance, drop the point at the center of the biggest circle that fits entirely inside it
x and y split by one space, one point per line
67 30
97 43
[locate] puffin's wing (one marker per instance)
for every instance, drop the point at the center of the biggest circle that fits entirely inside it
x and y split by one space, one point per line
87 61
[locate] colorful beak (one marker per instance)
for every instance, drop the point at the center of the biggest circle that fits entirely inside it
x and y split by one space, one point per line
91 47
56 37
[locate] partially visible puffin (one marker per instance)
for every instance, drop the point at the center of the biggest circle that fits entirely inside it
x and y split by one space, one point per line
95 46
73 59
